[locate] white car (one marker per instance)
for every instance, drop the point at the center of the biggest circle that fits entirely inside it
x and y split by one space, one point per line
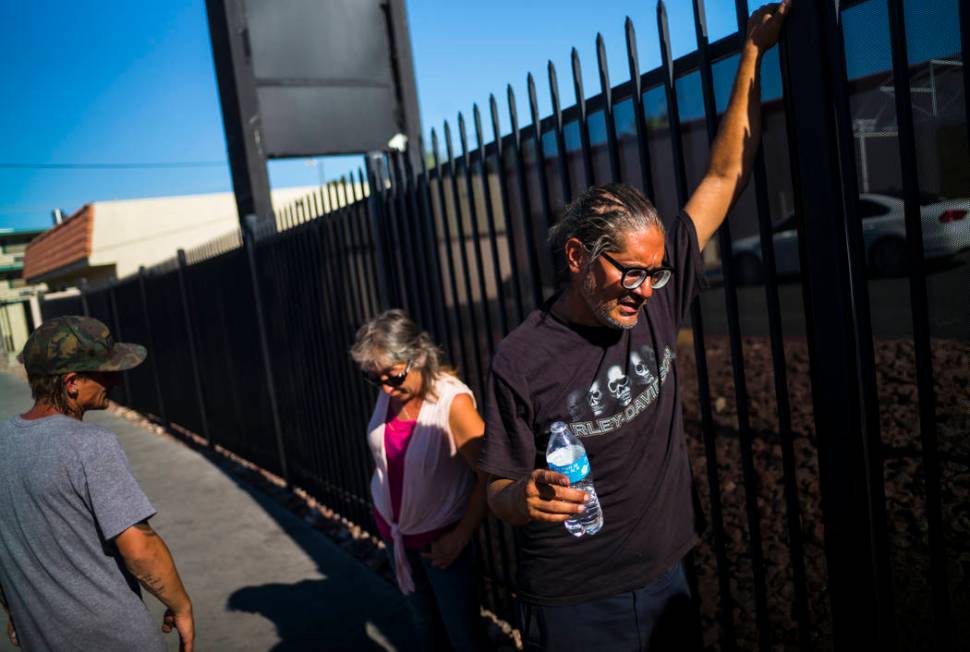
946 232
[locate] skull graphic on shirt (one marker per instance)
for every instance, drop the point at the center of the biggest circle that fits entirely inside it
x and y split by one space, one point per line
574 403
595 398
619 385
641 372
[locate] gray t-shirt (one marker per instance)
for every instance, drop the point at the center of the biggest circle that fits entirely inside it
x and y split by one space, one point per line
65 492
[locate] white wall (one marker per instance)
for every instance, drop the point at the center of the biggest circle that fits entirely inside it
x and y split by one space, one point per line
135 232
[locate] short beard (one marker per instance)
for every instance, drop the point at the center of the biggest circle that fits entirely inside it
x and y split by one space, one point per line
600 309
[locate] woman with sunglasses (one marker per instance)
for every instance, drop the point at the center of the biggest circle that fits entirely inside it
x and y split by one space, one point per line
425 435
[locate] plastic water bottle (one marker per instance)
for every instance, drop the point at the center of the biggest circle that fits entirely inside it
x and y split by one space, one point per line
565 454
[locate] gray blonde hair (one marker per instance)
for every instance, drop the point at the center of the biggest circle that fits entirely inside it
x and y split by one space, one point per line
394 338
51 391
600 218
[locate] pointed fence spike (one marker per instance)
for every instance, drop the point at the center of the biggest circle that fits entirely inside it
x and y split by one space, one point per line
554 94
513 114
356 185
533 102
583 125
633 57
477 117
562 156
496 126
463 137
603 69
578 81
664 33
448 147
434 149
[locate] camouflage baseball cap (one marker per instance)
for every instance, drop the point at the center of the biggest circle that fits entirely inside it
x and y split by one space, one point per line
75 343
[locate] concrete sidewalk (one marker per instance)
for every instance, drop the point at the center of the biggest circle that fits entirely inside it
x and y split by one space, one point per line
260 578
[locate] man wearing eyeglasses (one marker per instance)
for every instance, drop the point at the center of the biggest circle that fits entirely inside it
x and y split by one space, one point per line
600 356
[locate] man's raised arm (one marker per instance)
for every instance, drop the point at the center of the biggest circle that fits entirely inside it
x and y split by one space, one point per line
734 147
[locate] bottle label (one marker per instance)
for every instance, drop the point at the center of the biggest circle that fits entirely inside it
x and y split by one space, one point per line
576 471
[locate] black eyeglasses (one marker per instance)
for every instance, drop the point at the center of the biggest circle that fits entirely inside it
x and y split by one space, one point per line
393 382
633 277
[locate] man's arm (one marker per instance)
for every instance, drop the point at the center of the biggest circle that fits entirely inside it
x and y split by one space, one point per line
148 558
503 500
543 496
734 147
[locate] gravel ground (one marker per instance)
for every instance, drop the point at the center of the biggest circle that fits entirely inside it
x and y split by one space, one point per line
904 487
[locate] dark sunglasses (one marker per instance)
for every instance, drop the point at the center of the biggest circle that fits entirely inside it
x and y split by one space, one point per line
393 382
633 277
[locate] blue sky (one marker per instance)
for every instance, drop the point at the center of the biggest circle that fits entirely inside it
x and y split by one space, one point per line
117 81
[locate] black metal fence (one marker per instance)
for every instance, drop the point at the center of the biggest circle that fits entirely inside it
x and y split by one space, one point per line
826 417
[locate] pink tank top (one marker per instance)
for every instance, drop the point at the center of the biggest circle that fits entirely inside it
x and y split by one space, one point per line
397 436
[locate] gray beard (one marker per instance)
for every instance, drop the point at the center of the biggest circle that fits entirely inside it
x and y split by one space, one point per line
600 309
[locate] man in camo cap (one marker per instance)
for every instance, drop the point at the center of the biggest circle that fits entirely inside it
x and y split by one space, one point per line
75 542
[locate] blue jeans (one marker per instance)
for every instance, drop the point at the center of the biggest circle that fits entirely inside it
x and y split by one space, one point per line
658 617
445 606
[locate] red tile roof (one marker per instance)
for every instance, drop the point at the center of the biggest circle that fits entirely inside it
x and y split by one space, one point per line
66 243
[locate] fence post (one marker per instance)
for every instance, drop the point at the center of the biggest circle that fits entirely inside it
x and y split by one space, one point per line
375 199
249 243
119 335
153 352
193 357
834 289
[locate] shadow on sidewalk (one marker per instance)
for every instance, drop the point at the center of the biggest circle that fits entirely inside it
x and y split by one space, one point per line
352 608
314 615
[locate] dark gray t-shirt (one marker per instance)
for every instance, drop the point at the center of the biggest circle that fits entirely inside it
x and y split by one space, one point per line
65 492
618 392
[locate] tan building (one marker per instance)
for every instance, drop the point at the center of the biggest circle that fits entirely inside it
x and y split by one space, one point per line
106 240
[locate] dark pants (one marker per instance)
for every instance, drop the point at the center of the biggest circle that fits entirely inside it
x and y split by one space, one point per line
445 606
658 617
